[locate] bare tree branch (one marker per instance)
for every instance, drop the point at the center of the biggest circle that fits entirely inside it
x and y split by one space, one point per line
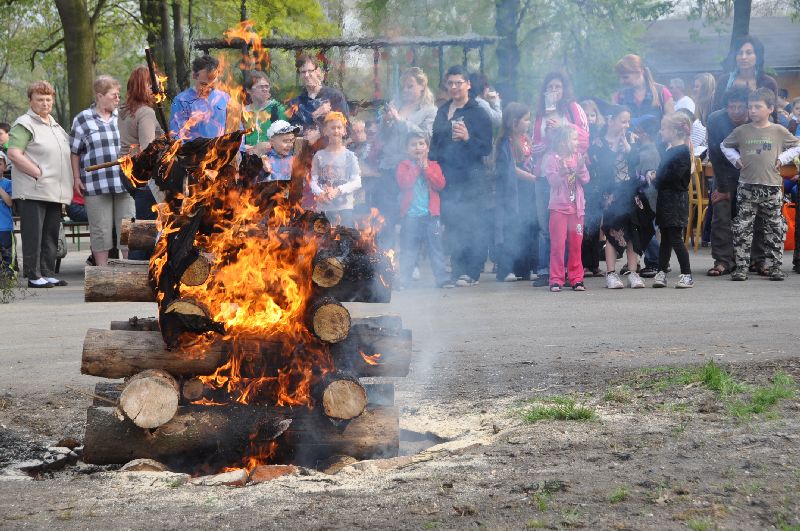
98 8
133 16
522 12
43 51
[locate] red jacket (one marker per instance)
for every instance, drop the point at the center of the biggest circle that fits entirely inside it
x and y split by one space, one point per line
407 174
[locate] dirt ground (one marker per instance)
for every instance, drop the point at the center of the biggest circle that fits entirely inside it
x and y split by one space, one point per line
664 449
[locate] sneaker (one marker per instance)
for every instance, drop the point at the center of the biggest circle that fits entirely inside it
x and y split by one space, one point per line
685 282
635 281
660 280
613 281
648 272
447 284
578 286
775 273
39 283
57 282
464 281
415 274
739 274
555 288
541 281
511 277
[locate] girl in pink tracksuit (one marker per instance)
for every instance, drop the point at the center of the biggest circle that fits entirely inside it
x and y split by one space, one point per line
566 173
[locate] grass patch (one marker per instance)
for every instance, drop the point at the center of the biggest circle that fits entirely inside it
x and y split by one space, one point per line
711 376
698 524
541 499
619 495
536 524
763 399
555 408
621 394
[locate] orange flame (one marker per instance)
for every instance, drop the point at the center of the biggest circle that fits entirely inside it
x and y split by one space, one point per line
375 359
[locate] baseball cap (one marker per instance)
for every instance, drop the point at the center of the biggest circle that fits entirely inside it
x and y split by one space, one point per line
281 127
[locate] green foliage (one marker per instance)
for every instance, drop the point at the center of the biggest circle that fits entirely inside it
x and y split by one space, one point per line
621 394
619 495
555 408
763 399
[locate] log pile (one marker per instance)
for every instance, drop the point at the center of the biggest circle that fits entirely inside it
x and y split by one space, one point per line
205 382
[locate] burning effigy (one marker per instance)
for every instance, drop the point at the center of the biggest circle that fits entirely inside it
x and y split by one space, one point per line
252 358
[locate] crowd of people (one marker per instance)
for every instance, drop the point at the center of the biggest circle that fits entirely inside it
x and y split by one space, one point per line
547 193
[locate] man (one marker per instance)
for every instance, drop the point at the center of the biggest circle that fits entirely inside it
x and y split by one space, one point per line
726 178
462 136
202 102
316 100
682 100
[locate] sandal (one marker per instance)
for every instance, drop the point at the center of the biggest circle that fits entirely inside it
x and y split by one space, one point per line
718 270
578 286
555 288
763 271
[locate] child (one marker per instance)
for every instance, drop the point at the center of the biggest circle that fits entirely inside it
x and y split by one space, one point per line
420 181
756 149
6 222
514 213
362 147
672 206
649 158
280 156
566 173
335 174
794 118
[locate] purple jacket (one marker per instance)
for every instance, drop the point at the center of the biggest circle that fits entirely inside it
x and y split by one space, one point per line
563 196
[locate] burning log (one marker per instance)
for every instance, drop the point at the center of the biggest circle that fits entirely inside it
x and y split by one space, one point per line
192 389
385 322
185 315
122 353
329 320
222 434
139 234
109 284
341 396
198 271
150 398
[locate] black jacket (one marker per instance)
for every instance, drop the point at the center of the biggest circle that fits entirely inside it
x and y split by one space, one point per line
726 176
672 183
462 162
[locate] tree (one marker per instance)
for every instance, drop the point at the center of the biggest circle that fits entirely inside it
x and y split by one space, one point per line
79 46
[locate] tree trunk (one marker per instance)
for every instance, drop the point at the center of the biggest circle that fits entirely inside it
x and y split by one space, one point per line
507 24
740 28
341 396
121 353
79 47
167 49
150 398
109 284
181 59
220 435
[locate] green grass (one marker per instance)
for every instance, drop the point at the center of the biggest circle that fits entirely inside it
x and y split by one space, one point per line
621 394
619 495
536 524
555 408
711 376
763 399
541 499
698 524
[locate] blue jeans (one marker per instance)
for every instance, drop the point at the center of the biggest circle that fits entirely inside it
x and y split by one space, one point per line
543 220
651 253
416 231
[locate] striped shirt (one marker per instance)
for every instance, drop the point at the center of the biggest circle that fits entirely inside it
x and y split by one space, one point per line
97 141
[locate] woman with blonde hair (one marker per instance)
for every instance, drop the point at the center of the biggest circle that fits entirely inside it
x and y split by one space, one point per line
640 93
703 95
412 110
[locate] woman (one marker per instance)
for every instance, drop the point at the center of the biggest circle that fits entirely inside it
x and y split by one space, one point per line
414 109
639 92
39 150
703 95
557 107
746 69
626 224
138 127
261 110
95 139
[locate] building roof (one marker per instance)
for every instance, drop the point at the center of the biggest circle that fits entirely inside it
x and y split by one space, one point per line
680 46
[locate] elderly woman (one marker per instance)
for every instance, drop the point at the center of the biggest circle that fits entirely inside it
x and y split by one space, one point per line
39 150
94 140
261 110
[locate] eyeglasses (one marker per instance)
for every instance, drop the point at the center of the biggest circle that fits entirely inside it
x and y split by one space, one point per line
304 72
454 84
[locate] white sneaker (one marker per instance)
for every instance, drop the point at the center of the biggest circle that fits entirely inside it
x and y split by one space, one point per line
464 281
684 282
511 277
613 281
415 274
660 280
635 281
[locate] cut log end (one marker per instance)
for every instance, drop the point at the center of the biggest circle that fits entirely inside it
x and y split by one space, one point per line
192 389
328 272
150 398
343 397
197 273
330 321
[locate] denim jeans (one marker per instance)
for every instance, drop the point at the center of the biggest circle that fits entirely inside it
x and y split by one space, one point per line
543 220
416 231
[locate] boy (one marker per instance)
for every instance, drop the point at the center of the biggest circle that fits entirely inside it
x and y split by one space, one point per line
757 149
362 148
6 222
280 157
420 181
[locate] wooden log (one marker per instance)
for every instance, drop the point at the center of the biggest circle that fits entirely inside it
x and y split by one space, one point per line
329 320
150 324
142 235
198 271
142 324
109 284
341 396
124 263
184 315
378 394
327 271
125 230
122 353
150 398
221 434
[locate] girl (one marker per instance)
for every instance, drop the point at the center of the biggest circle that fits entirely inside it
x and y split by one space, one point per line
703 94
672 205
514 216
626 224
335 174
557 107
593 117
566 173
639 92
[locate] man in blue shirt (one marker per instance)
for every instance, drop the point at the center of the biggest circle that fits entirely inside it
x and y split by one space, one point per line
203 104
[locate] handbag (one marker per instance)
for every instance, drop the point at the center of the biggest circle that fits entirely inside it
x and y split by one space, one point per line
61 249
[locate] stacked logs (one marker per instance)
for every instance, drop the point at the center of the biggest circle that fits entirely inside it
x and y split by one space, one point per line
164 411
